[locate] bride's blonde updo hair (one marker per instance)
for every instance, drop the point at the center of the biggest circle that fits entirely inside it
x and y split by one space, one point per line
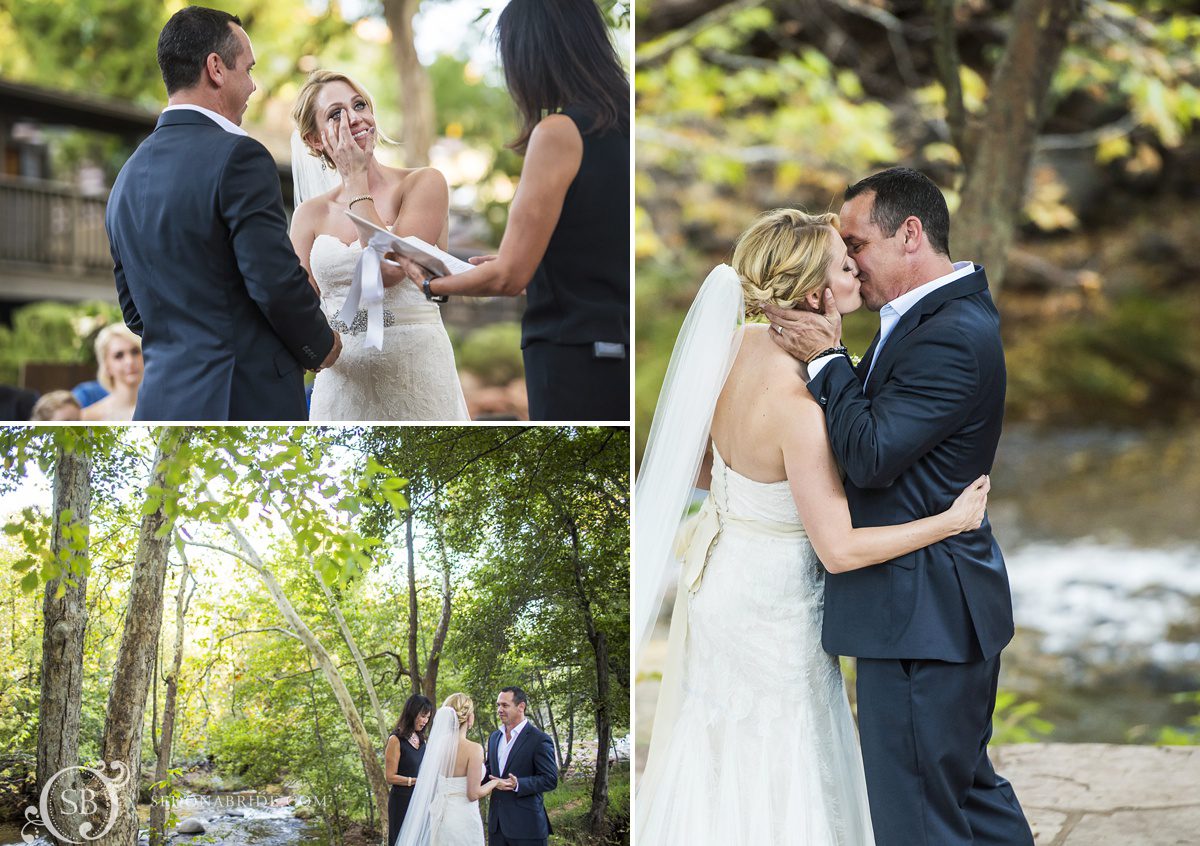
462 705
304 113
783 257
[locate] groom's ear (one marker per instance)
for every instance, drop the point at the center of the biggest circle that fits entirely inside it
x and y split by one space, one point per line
214 70
912 232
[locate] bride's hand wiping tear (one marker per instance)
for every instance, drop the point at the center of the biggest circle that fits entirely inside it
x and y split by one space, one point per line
351 160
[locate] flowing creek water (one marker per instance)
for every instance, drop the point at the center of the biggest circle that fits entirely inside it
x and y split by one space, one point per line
1101 533
237 819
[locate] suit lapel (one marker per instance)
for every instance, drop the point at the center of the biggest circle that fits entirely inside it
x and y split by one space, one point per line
864 363
494 753
970 284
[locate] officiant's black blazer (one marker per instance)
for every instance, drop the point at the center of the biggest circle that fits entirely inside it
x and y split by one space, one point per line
521 815
923 427
207 276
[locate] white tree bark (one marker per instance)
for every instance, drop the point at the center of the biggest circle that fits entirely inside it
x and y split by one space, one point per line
65 620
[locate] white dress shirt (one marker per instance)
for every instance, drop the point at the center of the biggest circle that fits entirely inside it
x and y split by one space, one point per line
891 313
505 745
220 120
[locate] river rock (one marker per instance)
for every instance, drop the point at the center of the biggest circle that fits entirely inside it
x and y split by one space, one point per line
1093 794
192 825
236 812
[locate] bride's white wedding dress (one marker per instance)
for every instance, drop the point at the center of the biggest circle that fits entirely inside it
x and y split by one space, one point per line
454 819
413 378
762 749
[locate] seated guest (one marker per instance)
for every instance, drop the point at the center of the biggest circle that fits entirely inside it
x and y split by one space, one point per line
89 392
119 353
57 405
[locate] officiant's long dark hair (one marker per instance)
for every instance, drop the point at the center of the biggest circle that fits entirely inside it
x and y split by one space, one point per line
413 708
557 53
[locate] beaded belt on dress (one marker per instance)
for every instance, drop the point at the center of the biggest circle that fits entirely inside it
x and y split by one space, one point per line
390 318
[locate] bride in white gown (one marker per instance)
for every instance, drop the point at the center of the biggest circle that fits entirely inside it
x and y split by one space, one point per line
402 367
444 809
753 739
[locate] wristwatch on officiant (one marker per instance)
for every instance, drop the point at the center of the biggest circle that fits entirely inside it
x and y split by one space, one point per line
429 295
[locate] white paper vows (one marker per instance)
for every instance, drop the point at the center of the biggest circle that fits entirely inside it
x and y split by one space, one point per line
434 259
366 292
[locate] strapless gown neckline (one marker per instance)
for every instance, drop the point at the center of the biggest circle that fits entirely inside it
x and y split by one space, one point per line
414 377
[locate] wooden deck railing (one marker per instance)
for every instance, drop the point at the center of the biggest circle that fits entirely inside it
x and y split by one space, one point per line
52 225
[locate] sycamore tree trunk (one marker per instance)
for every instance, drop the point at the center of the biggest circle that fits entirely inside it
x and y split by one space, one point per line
65 620
121 744
414 666
159 807
426 683
984 226
599 642
416 92
351 644
367 753
550 717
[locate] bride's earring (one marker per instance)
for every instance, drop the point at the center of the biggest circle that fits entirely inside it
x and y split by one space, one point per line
324 167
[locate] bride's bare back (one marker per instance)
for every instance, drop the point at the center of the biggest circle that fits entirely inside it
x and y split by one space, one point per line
764 401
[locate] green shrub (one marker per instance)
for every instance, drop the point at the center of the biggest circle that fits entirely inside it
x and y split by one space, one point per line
52 332
493 353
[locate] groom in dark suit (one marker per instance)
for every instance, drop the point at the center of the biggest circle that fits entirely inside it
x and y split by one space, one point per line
522 757
913 425
204 268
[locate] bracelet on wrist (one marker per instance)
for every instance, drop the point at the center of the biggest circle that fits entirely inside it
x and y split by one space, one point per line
429 295
840 349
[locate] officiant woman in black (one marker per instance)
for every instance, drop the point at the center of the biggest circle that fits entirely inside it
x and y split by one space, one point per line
402 759
566 245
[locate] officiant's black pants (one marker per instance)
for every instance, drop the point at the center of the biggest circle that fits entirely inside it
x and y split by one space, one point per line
925 727
569 382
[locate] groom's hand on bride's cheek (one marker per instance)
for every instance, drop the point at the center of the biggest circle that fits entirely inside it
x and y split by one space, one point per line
803 334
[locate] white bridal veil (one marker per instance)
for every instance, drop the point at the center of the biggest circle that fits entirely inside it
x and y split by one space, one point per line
425 806
704 351
308 177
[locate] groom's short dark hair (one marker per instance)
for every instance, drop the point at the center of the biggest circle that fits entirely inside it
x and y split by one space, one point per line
518 695
189 37
900 193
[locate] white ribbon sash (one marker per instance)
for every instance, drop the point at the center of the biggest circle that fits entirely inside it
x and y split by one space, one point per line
366 292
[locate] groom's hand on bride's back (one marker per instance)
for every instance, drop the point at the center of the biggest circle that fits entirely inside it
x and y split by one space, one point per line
804 334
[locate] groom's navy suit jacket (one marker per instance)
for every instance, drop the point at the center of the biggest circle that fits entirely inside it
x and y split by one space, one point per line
520 814
924 426
207 276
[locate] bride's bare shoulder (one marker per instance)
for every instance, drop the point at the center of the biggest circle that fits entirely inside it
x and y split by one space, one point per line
313 212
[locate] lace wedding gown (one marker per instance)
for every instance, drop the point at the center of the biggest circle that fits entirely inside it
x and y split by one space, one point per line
763 749
413 378
454 819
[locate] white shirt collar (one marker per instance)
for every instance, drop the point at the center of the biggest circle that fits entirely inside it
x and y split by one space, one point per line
220 120
517 728
906 301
